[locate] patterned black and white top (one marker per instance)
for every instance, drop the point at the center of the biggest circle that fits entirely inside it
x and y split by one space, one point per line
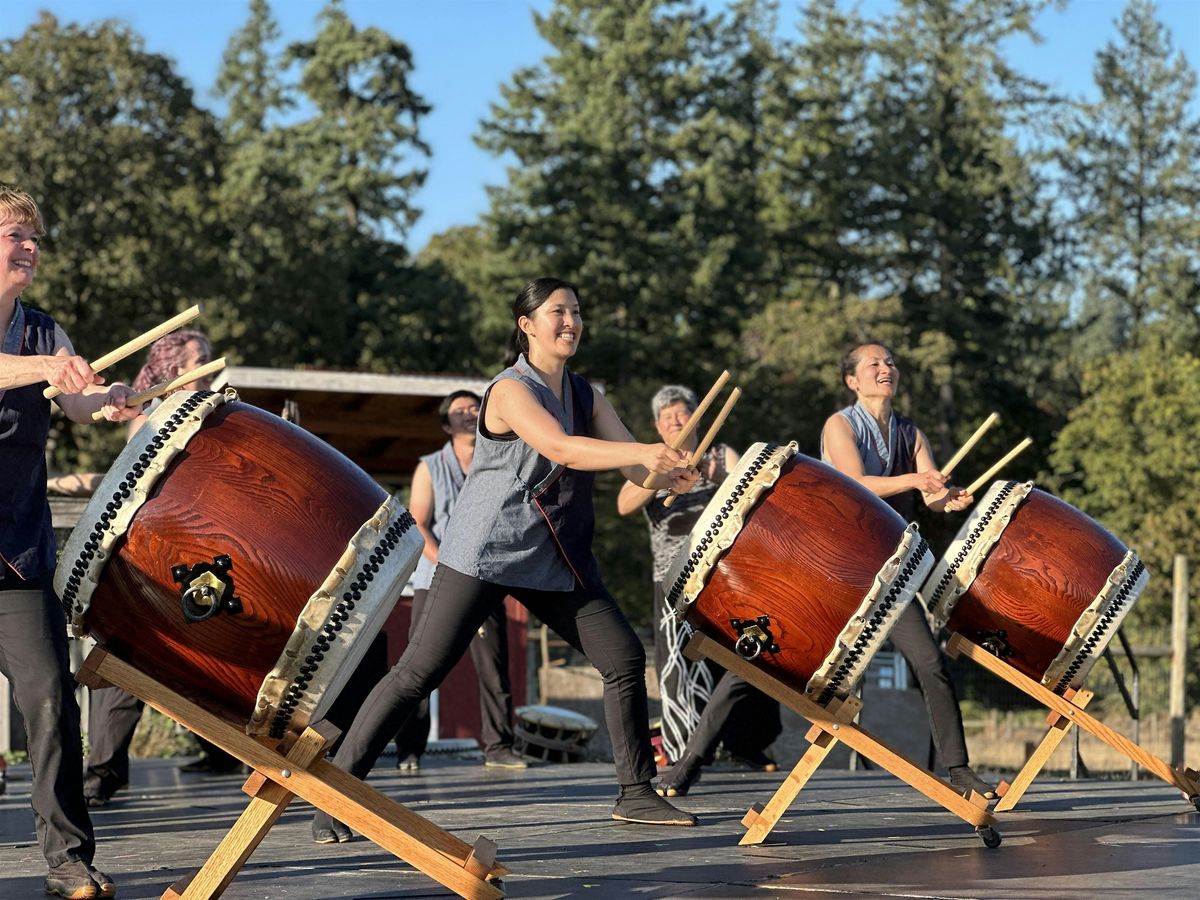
670 528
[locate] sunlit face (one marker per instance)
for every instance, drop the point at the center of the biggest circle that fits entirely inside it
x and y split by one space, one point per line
463 415
195 354
671 420
555 327
875 374
18 258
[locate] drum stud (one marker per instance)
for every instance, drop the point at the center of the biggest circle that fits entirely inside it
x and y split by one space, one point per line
286 773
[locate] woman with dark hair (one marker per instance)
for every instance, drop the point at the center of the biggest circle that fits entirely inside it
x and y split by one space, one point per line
887 454
523 526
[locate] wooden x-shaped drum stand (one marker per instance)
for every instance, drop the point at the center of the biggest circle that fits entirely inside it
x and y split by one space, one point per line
466 870
831 723
1066 709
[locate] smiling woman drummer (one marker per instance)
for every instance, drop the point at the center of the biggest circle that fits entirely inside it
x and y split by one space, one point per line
34 353
887 454
523 527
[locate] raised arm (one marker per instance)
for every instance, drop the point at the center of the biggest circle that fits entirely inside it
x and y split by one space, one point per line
82 389
511 407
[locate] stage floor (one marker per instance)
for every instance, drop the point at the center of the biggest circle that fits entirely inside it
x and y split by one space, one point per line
861 834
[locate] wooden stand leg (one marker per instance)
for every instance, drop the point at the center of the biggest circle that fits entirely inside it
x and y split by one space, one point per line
268 802
450 861
761 819
1011 792
959 645
972 810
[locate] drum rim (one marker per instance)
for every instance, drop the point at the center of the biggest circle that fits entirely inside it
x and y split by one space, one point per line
122 492
712 535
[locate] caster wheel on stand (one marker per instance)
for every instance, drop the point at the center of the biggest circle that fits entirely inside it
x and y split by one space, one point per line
989 835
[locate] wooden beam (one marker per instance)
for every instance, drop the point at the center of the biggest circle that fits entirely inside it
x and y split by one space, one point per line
1011 792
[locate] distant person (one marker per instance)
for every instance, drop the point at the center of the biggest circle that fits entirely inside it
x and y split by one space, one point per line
696 696
436 484
113 712
36 353
889 456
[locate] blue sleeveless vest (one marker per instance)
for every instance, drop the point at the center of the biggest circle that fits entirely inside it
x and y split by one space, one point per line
447 478
521 520
26 535
898 456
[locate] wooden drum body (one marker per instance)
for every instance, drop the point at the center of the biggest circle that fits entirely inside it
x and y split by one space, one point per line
798 568
239 560
1037 582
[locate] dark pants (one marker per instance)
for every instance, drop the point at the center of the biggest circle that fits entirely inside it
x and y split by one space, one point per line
34 658
912 637
113 714
455 608
489 654
738 714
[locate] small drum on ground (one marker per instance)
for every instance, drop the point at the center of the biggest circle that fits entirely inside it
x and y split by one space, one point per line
799 568
238 560
1037 582
552 733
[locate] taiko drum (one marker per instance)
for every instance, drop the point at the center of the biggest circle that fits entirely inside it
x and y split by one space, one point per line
1037 582
798 568
237 559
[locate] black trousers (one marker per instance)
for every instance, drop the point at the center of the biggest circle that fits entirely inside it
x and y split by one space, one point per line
113 714
738 714
34 658
912 637
455 608
489 655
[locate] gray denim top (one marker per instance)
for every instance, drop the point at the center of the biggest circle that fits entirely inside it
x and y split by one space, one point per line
447 477
497 533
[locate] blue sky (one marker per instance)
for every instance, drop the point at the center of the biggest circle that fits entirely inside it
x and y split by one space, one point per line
465 49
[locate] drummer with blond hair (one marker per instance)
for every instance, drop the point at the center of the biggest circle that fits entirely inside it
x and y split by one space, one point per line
36 353
890 456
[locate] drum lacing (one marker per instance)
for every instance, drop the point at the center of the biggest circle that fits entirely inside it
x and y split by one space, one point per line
388 541
123 492
965 550
1102 626
882 609
714 529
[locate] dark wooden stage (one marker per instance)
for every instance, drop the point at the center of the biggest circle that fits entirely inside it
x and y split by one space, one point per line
858 834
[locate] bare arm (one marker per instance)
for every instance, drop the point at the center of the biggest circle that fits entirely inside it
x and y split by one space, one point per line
82 389
511 407
633 497
420 504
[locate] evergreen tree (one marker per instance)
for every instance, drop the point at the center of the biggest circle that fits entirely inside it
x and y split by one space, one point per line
1131 167
124 165
953 225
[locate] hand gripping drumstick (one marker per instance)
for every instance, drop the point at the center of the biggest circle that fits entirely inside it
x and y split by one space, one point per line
700 450
135 345
165 387
986 476
971 442
693 420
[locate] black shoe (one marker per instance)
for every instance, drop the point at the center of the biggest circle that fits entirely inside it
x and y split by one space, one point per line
964 780
505 759
212 765
639 804
326 830
680 777
756 760
72 879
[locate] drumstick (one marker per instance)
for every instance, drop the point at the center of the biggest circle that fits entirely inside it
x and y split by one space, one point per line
135 345
971 442
693 420
166 387
983 479
699 452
